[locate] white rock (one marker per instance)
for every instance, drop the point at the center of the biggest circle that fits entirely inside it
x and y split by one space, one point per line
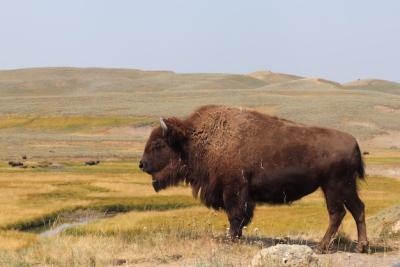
286 255
396 227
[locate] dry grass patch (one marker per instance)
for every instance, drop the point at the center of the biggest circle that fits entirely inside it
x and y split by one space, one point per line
73 123
31 196
106 251
15 240
167 228
307 217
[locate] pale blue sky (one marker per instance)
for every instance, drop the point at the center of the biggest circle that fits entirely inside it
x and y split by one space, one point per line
339 40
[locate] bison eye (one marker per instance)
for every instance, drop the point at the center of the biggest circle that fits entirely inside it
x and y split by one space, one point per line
157 146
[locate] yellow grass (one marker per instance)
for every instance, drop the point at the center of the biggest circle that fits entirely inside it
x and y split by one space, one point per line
160 233
305 217
71 122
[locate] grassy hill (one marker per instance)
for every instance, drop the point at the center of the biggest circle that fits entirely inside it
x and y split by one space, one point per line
375 85
270 77
94 81
32 101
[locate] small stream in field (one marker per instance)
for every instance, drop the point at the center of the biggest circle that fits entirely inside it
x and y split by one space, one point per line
69 220
55 230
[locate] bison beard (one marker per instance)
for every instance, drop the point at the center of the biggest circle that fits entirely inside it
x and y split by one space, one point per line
233 158
171 175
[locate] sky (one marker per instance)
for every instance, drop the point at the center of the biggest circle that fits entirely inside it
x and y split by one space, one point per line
339 40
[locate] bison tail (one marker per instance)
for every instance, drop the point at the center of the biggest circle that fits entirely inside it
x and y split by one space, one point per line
360 164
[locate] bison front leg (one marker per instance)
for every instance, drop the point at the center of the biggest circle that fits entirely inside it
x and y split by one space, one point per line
239 208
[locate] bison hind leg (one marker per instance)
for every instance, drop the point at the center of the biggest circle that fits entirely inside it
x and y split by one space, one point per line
340 194
356 207
336 210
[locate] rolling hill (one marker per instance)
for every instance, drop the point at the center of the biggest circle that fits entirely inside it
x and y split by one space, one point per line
94 101
375 85
270 77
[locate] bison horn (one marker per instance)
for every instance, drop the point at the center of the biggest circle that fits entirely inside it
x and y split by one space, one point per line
163 125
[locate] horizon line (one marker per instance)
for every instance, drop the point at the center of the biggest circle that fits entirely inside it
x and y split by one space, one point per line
189 72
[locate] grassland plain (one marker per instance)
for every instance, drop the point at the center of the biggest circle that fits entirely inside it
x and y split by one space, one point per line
167 228
354 107
60 117
83 113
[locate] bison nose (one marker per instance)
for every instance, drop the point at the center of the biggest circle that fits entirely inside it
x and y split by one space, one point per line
142 165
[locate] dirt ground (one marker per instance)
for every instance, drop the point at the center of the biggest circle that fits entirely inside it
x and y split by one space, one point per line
361 260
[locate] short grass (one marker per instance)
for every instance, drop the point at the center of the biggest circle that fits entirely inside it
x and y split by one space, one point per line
166 228
30 196
69 92
57 137
384 159
72 123
303 217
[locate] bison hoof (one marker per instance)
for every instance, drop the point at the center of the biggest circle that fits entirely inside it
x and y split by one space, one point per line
234 237
362 247
322 248
235 240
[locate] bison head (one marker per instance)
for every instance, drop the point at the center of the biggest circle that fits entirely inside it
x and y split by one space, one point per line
163 154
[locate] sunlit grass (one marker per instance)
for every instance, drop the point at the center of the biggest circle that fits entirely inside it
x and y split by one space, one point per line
305 217
172 222
12 240
31 196
72 123
382 160
40 194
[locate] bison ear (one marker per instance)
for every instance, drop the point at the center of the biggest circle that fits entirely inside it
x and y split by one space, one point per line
174 130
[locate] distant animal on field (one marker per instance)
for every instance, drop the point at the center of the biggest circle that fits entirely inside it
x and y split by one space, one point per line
15 164
92 162
233 158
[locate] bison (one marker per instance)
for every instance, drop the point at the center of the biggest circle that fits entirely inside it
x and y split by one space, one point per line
15 164
233 158
92 162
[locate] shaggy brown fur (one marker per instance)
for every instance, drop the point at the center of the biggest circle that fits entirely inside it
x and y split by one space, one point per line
233 158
